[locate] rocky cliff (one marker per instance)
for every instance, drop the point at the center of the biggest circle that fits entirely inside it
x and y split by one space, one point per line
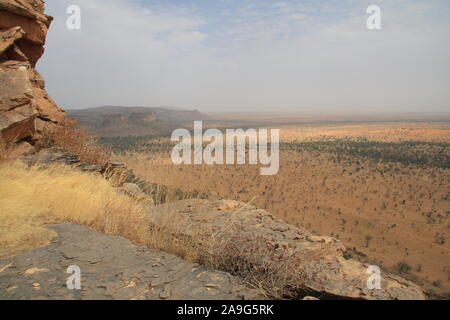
26 110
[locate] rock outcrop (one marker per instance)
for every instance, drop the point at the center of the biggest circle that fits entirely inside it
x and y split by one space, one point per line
118 175
314 265
111 268
26 109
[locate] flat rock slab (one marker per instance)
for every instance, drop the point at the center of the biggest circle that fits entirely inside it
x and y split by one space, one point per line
111 268
316 263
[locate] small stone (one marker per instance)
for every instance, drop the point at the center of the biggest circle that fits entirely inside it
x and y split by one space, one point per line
310 298
35 270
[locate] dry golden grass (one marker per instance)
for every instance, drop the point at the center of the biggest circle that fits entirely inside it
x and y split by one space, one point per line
32 197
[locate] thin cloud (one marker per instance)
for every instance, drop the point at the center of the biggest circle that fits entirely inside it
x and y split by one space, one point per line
254 55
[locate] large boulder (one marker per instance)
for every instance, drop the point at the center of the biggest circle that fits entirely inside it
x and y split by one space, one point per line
29 15
235 236
26 110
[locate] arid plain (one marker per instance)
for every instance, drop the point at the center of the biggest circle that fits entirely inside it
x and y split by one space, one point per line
382 188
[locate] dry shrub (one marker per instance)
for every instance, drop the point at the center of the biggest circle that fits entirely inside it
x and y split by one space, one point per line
260 263
73 138
31 197
116 177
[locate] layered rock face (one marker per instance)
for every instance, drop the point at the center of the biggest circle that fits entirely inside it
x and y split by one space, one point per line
26 110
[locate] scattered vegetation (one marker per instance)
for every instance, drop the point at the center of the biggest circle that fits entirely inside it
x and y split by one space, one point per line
373 196
386 200
77 140
418 153
154 144
403 267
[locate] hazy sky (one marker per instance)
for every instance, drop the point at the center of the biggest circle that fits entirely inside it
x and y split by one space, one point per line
249 55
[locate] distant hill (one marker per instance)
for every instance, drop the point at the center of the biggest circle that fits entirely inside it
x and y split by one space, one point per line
114 121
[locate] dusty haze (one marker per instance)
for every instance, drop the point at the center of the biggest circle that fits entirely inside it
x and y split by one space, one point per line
251 55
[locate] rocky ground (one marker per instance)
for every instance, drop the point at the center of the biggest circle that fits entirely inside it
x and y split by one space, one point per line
315 265
211 225
111 268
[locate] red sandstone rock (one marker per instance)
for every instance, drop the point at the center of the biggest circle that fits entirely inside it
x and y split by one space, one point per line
25 107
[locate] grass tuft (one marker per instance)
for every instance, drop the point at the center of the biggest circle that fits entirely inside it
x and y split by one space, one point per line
32 197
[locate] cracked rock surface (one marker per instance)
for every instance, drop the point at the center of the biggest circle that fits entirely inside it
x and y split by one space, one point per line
324 268
111 268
